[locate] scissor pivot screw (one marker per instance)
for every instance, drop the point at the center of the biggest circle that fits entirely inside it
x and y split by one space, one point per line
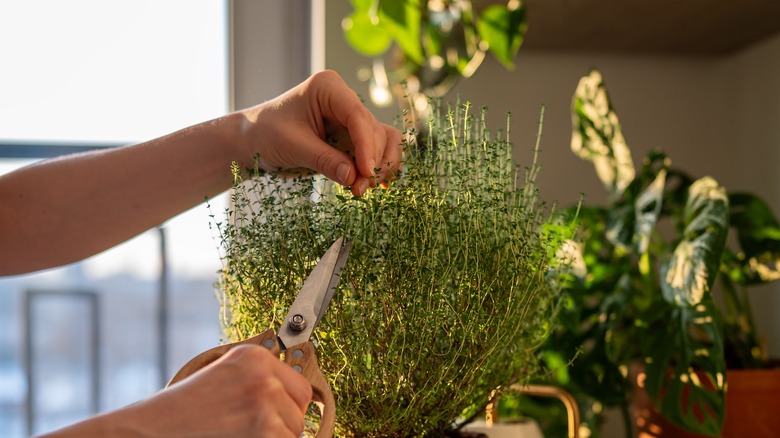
297 323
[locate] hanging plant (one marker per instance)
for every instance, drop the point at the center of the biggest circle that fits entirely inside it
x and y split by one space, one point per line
421 48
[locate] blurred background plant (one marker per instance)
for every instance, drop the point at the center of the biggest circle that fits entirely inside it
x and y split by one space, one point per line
421 48
641 300
449 290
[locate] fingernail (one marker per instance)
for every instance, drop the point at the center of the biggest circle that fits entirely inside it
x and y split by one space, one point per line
372 164
342 173
362 186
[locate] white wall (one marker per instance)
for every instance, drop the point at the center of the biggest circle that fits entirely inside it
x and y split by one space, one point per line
663 102
269 49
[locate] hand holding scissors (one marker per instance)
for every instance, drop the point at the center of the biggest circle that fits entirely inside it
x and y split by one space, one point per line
294 334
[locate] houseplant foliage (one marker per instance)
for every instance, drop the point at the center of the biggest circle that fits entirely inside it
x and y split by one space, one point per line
448 290
429 44
650 260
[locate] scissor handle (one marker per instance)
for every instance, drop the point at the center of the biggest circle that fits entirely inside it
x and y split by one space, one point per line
304 360
266 339
301 358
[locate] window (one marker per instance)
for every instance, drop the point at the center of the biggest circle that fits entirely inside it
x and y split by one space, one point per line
120 71
89 73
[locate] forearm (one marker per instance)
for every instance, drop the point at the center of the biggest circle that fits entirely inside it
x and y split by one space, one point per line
110 425
63 210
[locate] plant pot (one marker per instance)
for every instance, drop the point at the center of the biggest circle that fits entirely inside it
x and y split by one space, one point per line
521 429
752 401
491 427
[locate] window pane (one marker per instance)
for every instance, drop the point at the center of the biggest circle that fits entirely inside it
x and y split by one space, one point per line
62 356
118 71
83 72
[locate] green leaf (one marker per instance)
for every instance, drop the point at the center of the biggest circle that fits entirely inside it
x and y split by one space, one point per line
362 5
365 34
634 214
555 362
688 276
597 137
402 21
619 339
502 28
686 377
756 226
647 209
433 41
758 234
621 225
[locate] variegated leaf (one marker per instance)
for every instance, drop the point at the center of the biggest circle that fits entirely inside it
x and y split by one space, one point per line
647 209
691 270
597 137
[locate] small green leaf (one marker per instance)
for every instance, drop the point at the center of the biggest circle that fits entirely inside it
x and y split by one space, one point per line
557 364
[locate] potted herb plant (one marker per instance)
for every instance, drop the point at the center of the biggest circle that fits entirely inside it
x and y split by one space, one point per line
448 291
642 302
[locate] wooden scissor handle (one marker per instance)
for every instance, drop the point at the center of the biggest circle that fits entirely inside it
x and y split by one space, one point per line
301 358
304 360
266 339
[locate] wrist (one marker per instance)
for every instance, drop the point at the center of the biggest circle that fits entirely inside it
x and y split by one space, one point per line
233 137
242 126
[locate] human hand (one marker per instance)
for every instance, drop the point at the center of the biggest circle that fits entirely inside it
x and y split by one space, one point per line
290 133
248 392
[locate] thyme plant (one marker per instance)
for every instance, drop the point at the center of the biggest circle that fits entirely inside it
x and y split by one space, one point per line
448 290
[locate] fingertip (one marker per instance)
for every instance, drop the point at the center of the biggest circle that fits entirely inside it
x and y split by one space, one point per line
380 142
373 173
360 186
343 174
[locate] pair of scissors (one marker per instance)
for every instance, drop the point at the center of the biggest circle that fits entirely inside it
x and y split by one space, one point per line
293 336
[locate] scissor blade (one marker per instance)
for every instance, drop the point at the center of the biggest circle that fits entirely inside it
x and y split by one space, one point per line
334 279
314 296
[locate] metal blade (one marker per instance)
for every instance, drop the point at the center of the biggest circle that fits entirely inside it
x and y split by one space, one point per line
334 280
309 305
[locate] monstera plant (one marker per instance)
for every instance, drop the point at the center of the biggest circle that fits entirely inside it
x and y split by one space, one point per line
642 296
448 291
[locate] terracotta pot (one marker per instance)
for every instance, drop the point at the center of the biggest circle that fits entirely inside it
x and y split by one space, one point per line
752 403
752 408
